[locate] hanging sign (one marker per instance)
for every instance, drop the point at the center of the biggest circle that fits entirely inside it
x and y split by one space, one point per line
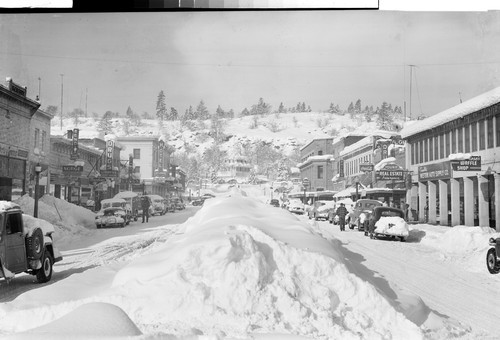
110 145
74 145
161 147
390 172
471 164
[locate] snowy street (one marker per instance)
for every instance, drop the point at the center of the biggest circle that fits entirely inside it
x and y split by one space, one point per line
447 285
237 268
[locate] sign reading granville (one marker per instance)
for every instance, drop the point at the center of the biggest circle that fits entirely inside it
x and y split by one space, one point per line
471 164
434 171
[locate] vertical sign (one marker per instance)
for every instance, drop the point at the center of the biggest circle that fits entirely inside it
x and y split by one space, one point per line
110 145
161 147
74 144
341 168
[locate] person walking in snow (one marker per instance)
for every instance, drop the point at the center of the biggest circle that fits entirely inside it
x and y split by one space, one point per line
145 208
341 213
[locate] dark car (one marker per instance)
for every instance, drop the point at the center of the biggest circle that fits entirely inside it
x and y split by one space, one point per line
198 201
275 203
178 203
394 226
361 213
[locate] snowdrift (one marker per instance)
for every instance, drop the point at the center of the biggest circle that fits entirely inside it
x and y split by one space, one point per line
239 266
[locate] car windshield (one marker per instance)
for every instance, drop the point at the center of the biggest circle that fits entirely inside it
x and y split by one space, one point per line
111 212
391 213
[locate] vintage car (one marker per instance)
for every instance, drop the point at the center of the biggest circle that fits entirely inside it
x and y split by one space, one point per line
275 202
118 203
296 206
388 222
157 205
26 244
178 203
319 210
111 217
361 213
198 201
134 200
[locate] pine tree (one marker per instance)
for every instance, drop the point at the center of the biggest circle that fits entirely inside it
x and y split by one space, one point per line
350 109
230 114
385 117
219 112
105 125
245 112
281 108
129 113
161 108
357 106
262 108
202 111
309 108
303 107
174 115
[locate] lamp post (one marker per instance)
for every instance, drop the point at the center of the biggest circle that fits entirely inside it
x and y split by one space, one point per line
38 169
144 187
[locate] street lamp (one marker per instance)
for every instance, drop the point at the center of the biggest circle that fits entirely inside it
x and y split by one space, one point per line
144 187
38 169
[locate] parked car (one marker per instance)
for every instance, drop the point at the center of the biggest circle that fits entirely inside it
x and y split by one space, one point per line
390 222
275 202
26 244
493 255
157 205
178 203
111 217
361 213
332 213
134 200
118 203
317 207
169 205
296 207
198 201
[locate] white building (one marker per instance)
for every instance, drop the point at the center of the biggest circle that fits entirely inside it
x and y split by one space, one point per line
442 192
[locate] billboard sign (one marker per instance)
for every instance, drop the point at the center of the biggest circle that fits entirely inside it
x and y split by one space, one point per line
434 171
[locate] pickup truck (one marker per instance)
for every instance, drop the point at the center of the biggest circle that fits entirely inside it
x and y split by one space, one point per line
26 244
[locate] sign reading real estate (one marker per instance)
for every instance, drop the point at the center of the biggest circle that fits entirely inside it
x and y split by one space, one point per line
74 144
390 172
110 145
471 164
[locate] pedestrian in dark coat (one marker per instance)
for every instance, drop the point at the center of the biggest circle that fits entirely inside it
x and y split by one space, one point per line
341 213
145 208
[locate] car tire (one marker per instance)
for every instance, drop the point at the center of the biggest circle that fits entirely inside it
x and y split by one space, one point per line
44 274
491 261
98 226
34 244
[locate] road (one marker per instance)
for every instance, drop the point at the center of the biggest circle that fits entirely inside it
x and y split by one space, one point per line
444 286
83 258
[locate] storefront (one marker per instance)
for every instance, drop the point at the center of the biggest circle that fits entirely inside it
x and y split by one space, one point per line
12 172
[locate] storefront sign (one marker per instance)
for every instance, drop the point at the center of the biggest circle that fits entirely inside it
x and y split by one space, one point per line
434 171
160 174
13 151
472 164
109 173
74 144
72 169
366 167
161 148
341 168
110 145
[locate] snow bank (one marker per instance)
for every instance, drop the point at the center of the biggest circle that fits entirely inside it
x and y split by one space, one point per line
464 244
69 220
239 266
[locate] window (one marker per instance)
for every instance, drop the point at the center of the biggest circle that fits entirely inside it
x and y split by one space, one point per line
497 126
320 152
426 151
137 169
37 137
431 149
447 143
441 146
460 139
467 138
482 137
436 147
320 171
44 137
473 128
454 141
489 130
412 152
137 153
420 152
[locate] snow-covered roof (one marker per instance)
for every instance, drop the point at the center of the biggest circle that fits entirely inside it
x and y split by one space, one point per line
470 106
323 158
383 163
368 140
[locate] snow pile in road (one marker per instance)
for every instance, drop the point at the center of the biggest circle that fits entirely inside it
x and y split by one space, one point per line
70 221
239 266
392 225
464 244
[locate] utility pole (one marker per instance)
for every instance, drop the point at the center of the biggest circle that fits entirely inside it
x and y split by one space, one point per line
62 93
40 89
86 97
411 70
460 96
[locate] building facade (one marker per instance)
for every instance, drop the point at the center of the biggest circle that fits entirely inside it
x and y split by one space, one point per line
39 152
339 144
453 157
16 112
317 164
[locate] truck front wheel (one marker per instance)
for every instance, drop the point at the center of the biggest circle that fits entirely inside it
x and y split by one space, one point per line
44 274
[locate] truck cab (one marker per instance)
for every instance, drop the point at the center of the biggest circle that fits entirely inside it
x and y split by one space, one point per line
26 244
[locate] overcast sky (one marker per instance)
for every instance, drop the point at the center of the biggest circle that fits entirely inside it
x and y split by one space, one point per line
234 58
